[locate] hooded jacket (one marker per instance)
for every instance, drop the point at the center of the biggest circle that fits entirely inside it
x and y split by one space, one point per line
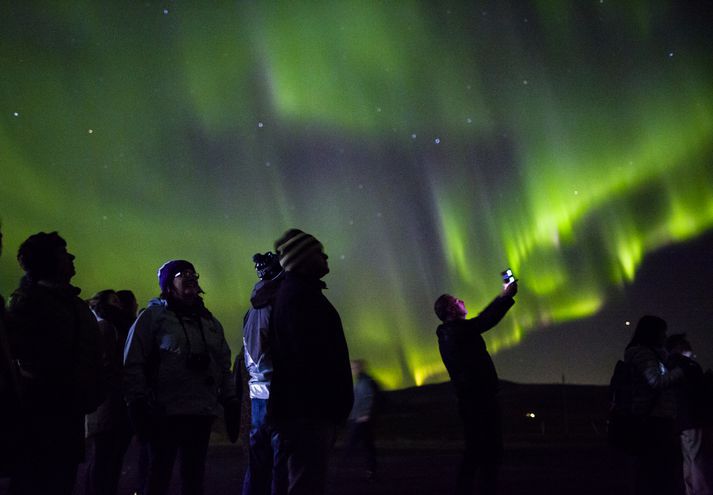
158 367
256 337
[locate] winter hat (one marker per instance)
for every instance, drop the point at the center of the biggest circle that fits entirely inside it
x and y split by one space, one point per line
169 270
294 247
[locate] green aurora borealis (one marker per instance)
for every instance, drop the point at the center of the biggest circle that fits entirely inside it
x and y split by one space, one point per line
427 144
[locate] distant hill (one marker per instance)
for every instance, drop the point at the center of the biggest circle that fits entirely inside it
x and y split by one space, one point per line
427 415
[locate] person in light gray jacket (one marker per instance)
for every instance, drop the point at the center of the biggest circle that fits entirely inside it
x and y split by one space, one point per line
267 469
176 376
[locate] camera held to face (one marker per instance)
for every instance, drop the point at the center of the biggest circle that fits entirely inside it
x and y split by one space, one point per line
267 265
198 361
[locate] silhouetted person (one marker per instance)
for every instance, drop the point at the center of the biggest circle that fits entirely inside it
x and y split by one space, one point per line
361 417
55 339
311 389
475 380
176 375
694 417
108 428
9 399
658 465
267 471
128 303
130 307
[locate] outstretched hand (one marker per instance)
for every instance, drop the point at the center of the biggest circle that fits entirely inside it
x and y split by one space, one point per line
509 290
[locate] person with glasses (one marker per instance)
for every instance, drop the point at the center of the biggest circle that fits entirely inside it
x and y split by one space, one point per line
176 376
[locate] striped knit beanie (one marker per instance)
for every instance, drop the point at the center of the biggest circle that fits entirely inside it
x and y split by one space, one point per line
296 246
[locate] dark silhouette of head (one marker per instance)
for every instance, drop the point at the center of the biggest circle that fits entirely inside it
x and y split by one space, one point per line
650 332
358 366
449 308
105 304
44 256
677 343
128 301
302 253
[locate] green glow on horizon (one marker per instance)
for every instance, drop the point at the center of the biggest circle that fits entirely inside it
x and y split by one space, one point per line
428 147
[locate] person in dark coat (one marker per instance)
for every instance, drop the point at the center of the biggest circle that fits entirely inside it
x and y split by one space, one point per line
694 416
473 375
108 429
657 462
56 343
10 410
311 391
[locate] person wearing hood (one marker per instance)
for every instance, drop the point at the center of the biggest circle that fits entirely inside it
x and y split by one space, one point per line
266 473
176 376
56 345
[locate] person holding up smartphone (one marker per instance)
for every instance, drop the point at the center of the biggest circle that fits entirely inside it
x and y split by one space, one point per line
473 375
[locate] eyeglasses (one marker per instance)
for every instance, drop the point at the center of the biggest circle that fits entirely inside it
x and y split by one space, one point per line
187 274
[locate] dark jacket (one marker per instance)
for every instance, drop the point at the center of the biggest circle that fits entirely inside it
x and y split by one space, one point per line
55 338
464 352
111 414
652 382
694 398
312 376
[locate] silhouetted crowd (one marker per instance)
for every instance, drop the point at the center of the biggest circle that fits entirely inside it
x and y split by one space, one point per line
99 369
80 379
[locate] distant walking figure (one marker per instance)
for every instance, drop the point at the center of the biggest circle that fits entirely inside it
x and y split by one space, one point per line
311 389
361 419
176 374
55 341
475 380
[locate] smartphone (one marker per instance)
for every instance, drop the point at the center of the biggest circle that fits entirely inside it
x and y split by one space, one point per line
508 276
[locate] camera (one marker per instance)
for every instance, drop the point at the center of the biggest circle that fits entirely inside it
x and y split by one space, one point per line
198 361
267 265
508 276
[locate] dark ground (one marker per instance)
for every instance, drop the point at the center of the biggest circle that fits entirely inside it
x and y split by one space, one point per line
561 450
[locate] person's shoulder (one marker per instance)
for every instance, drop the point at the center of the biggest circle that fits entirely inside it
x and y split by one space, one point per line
26 297
448 329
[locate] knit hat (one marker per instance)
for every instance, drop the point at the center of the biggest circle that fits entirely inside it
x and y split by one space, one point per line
169 270
294 247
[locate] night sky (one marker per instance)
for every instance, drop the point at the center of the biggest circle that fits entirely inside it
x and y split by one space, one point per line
428 145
